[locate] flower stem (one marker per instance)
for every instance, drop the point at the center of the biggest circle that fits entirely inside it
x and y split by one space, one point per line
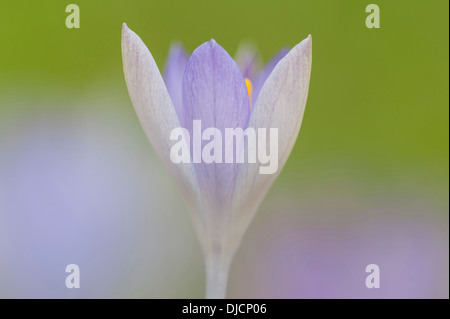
217 268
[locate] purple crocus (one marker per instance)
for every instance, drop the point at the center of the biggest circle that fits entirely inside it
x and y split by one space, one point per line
209 86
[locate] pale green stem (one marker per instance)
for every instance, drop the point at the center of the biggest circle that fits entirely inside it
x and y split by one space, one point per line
217 268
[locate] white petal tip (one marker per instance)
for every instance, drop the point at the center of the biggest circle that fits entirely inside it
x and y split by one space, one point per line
305 46
124 29
308 41
130 39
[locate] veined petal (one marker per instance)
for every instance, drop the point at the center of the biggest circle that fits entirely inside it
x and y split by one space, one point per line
154 107
173 74
214 92
262 76
280 105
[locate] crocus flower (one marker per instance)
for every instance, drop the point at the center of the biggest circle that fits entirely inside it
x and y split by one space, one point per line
222 197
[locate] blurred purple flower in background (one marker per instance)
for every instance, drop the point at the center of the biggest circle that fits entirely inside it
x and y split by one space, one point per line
223 198
75 187
316 249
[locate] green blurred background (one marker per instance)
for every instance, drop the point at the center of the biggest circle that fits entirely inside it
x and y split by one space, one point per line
378 98
375 131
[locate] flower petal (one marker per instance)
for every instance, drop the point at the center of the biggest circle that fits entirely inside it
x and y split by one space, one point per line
262 76
173 74
280 105
154 106
214 92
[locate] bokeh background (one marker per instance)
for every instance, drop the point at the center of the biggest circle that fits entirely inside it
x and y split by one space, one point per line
367 181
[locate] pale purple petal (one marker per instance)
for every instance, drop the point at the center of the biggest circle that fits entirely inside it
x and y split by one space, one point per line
154 107
214 92
173 74
262 76
281 104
